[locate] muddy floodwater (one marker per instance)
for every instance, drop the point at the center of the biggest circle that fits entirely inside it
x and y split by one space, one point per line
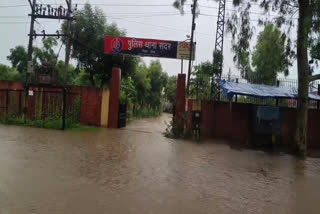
137 170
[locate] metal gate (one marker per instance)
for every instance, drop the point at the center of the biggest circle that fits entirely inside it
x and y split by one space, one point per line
122 118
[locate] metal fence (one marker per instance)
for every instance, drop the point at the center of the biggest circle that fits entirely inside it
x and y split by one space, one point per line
42 108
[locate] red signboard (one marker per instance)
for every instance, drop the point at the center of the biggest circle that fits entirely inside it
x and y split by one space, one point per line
141 47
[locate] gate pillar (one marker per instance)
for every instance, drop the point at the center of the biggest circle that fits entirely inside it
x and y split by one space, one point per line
180 96
114 98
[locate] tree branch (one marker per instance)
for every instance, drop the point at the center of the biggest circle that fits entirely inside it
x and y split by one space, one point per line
31 5
314 77
293 5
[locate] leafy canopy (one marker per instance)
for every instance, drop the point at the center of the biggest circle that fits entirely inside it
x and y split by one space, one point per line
272 55
7 73
201 81
171 89
88 34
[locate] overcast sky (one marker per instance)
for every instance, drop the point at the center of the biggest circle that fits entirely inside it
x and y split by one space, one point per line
156 22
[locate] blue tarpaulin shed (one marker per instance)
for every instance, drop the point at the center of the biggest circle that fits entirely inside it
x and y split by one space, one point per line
261 91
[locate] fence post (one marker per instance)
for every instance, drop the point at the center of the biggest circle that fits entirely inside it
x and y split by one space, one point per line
318 102
7 105
236 98
43 110
20 104
277 100
64 108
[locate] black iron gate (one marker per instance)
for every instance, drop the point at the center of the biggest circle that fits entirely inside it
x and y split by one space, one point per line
122 118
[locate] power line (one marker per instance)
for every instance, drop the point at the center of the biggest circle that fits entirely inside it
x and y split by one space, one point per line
13 17
139 13
254 20
142 16
145 5
156 15
109 5
159 26
132 5
26 22
13 6
14 22
147 24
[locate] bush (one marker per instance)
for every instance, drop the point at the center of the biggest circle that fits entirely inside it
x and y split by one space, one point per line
175 129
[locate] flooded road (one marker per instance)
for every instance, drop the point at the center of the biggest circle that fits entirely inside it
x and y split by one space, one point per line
137 170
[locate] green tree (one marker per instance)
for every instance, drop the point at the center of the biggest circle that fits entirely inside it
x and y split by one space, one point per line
308 26
142 84
7 73
201 81
128 90
19 56
171 89
72 74
19 59
158 80
46 53
129 94
88 34
272 55
242 33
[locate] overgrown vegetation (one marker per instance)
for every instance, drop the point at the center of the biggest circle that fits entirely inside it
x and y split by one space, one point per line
272 55
145 90
201 81
175 128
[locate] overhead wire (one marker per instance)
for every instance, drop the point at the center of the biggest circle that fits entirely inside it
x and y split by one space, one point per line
141 5
153 14
14 6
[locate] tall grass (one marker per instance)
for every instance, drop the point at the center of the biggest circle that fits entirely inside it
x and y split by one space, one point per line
48 123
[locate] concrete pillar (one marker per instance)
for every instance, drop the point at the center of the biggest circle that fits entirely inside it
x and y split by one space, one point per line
181 96
114 98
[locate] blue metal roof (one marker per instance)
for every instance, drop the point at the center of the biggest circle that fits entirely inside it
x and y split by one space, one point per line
262 91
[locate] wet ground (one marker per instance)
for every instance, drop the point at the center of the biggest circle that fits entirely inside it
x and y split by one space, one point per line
137 170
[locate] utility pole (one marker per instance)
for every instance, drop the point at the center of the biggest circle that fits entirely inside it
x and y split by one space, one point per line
30 51
193 27
67 58
68 42
46 11
30 45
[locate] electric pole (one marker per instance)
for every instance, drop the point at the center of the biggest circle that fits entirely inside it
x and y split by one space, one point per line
193 27
68 42
30 45
46 11
67 58
42 11
30 62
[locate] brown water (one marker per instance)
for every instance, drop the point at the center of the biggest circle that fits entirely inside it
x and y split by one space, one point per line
137 170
